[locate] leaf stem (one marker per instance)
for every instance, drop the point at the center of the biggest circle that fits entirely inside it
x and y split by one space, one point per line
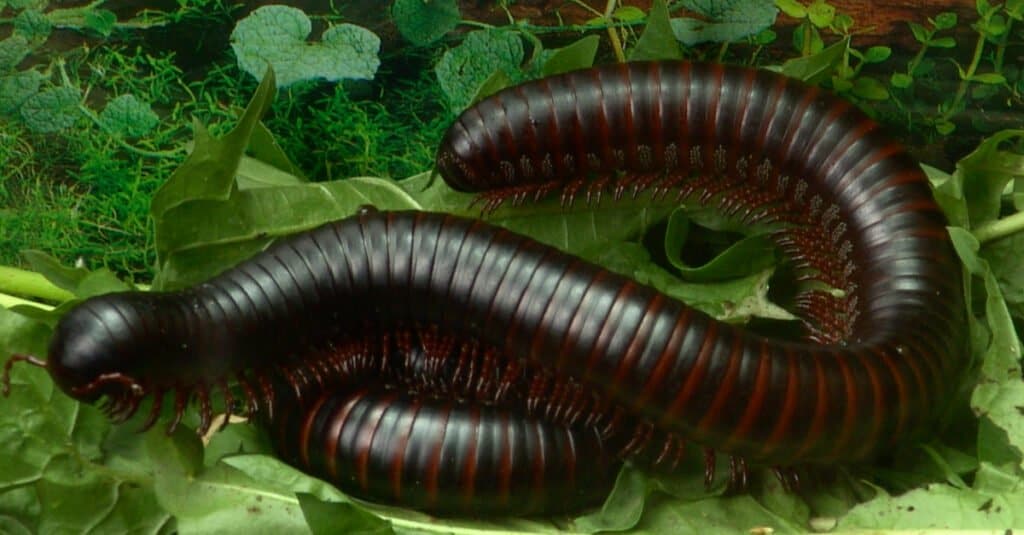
965 80
613 33
30 284
1001 46
8 301
1000 228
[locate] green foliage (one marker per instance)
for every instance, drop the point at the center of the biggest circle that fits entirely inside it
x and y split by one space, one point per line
423 22
723 22
51 110
464 69
578 55
128 116
657 42
16 88
994 28
276 36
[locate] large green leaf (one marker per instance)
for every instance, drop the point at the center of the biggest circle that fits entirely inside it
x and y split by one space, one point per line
275 35
657 42
464 69
723 21
77 472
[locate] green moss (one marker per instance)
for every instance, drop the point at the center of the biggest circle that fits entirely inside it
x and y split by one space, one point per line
390 128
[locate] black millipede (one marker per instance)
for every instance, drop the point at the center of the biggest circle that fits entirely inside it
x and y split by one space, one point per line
883 308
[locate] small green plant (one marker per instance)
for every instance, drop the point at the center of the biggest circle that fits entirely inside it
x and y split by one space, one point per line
847 63
994 28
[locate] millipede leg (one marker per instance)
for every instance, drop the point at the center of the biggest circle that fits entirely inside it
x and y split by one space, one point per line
252 405
180 400
709 467
5 380
154 410
129 411
738 473
229 403
205 410
121 379
268 394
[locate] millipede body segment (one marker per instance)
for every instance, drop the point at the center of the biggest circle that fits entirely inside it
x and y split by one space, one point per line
883 307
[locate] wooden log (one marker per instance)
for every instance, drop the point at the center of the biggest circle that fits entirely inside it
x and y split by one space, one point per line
876 23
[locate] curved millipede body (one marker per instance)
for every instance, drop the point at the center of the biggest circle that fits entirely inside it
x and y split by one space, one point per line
436 455
885 345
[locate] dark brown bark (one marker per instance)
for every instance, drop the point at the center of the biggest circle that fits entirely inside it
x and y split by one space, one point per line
875 22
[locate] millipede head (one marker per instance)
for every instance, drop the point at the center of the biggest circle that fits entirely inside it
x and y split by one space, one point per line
94 353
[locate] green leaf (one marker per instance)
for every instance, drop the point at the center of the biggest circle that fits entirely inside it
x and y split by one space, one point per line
209 171
765 37
1004 257
623 508
821 13
982 92
734 301
266 151
723 21
804 32
900 80
742 513
943 42
577 230
792 8
213 500
333 518
578 55
276 35
1000 394
63 458
921 34
1015 8
657 42
868 88
51 110
628 14
128 116
494 83
16 88
877 54
726 22
989 78
19 5
945 20
101 21
463 69
12 50
842 23
270 212
994 27
985 173
841 85
749 255
945 127
813 69
79 281
937 507
33 25
424 21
